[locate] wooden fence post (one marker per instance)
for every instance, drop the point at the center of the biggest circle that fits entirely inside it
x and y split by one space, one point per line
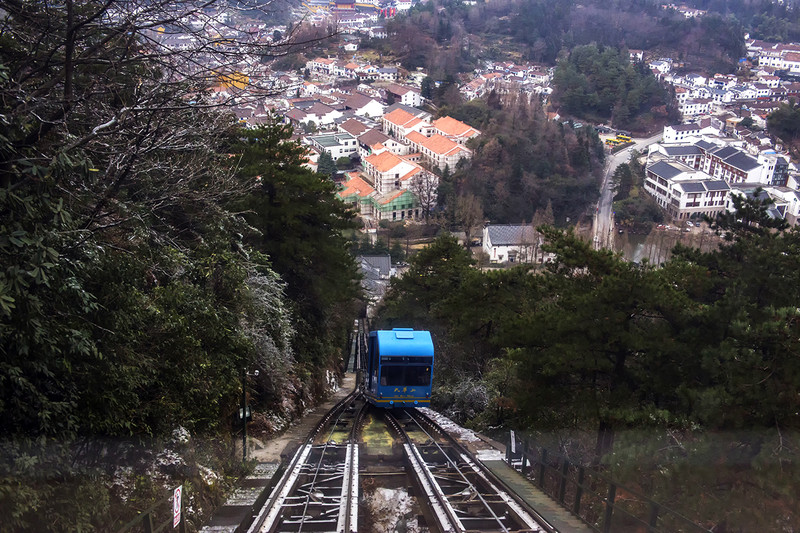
542 462
148 523
653 523
612 492
576 508
562 487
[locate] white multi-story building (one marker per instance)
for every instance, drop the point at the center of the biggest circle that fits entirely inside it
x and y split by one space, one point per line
340 144
438 150
683 191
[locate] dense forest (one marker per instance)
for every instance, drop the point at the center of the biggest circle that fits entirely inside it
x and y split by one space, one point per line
522 163
763 19
649 372
449 37
602 84
153 254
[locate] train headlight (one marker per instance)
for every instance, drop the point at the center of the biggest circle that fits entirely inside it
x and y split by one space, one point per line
391 402
415 402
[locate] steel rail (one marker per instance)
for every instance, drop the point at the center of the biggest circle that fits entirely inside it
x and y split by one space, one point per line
492 479
473 489
440 505
280 499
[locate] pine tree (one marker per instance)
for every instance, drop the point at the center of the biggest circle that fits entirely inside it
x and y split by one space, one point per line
325 164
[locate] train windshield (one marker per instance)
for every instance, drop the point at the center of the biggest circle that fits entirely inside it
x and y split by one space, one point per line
396 376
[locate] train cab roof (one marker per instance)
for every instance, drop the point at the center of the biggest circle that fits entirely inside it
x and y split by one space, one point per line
404 341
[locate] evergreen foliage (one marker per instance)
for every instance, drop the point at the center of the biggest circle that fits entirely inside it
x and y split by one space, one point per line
131 296
602 84
299 224
522 162
654 361
784 123
449 37
325 164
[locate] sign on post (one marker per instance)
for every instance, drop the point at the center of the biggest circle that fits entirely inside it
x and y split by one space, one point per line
176 507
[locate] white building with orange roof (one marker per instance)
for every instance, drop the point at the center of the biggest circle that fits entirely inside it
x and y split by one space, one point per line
396 204
390 172
455 130
359 194
399 123
438 150
321 65
473 89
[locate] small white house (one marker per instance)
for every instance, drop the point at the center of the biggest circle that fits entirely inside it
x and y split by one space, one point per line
512 243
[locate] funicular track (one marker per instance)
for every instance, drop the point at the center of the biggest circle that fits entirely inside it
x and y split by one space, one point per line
358 452
318 492
461 495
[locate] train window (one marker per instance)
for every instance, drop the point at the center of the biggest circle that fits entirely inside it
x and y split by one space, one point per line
419 375
395 376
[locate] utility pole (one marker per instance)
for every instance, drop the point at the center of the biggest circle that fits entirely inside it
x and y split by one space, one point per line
244 415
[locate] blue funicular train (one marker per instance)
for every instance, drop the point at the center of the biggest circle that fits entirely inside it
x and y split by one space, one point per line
399 368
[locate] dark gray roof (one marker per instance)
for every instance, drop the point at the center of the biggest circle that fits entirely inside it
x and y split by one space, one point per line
664 170
717 185
742 161
682 150
705 145
380 264
692 186
686 127
510 234
724 152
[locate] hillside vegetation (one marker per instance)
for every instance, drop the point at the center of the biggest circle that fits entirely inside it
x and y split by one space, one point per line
648 372
448 36
603 85
152 252
522 163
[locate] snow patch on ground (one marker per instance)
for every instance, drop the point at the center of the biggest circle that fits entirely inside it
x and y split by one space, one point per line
391 509
451 427
490 455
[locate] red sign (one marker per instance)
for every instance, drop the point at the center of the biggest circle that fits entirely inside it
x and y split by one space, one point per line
176 507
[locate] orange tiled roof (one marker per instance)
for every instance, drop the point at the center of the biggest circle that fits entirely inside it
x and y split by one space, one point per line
412 173
384 161
387 199
399 117
451 126
356 185
441 145
416 137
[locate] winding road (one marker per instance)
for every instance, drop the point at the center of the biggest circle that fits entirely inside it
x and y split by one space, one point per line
603 226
